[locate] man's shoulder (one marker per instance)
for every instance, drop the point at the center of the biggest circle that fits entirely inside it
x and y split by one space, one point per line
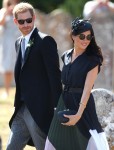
42 35
18 39
45 37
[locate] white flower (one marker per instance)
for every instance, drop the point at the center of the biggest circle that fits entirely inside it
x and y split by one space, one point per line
30 43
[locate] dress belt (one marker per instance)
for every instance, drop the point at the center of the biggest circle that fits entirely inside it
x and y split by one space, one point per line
72 89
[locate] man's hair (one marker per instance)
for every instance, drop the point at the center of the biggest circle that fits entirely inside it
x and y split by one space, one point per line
23 7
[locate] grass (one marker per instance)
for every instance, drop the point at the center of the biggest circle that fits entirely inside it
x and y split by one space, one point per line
6 111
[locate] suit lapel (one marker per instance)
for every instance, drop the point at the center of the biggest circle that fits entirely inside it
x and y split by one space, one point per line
29 46
28 49
18 50
18 61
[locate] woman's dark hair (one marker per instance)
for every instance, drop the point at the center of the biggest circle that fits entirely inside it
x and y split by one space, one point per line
79 26
93 48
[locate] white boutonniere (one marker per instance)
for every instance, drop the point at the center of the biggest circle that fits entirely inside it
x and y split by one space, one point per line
30 43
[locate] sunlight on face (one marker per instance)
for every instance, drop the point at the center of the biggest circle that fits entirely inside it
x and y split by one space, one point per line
82 43
27 26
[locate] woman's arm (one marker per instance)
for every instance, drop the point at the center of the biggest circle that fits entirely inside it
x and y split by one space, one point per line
3 14
90 79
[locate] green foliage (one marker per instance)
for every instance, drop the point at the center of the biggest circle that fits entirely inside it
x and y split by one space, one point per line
0 4
46 5
43 5
75 7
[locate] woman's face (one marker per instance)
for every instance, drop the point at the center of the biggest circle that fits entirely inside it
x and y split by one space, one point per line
82 40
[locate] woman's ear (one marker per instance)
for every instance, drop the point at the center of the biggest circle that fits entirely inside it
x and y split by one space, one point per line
72 37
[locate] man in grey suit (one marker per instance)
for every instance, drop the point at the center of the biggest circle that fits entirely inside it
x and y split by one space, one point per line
38 82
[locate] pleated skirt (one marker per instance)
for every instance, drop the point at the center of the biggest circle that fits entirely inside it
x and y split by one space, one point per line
61 137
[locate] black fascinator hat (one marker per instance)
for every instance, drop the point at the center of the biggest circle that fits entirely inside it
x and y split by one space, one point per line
80 25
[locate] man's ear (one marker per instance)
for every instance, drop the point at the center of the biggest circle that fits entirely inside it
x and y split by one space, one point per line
34 17
15 20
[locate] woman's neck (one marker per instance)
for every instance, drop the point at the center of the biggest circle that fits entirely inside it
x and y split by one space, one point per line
78 52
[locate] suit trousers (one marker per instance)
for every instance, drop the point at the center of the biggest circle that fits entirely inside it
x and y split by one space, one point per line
23 128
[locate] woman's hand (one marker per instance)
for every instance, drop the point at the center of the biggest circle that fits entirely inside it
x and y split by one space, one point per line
73 119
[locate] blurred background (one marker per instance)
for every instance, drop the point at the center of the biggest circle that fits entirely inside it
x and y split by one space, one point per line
74 7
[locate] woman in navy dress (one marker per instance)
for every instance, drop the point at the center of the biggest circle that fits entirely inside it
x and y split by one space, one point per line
81 66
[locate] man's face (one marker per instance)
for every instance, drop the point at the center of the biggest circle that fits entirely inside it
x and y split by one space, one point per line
25 22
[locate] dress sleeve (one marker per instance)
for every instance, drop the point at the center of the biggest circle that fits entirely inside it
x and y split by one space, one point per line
95 61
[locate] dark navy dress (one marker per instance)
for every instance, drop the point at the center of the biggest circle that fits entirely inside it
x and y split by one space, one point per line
88 131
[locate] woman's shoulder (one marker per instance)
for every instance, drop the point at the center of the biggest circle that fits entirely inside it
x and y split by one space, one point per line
93 62
67 53
94 58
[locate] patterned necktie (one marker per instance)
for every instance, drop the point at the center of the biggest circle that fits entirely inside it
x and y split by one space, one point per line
23 47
